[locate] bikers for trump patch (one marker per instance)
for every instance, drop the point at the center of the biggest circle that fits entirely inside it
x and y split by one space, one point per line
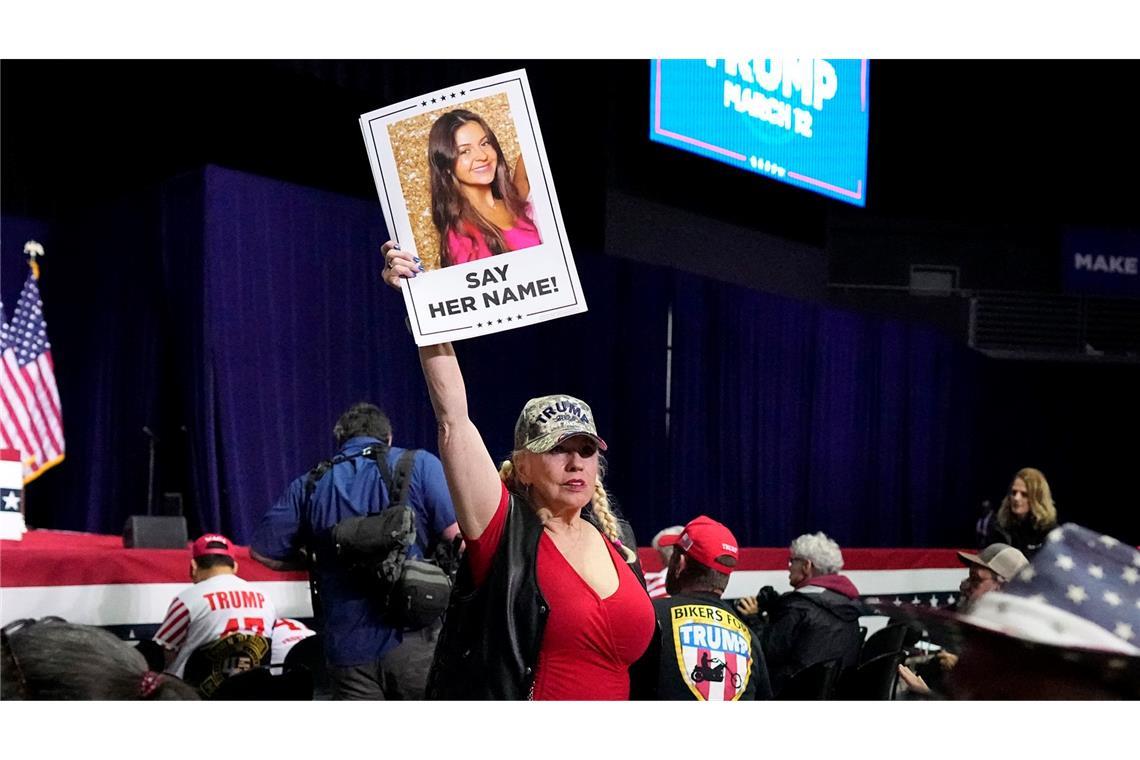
714 651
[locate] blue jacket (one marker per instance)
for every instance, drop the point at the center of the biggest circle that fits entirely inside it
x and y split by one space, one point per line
353 632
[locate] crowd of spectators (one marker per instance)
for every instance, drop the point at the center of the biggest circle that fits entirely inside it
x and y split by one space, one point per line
1060 601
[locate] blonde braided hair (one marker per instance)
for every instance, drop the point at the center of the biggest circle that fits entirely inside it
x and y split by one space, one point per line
600 506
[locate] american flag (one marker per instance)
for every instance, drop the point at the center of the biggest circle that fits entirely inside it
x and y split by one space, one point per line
30 417
1078 573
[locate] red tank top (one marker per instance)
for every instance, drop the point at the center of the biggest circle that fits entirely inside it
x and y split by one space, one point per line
589 642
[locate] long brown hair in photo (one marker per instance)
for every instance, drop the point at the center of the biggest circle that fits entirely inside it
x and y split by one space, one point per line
450 210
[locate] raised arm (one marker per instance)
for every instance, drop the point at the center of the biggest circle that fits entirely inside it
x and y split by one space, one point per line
471 474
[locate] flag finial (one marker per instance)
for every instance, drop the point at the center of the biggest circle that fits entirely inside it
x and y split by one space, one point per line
33 249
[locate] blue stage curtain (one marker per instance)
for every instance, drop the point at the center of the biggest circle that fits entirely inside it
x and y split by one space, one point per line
284 322
790 417
250 311
101 287
283 327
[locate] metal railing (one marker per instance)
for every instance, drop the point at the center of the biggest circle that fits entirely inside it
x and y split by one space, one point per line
1035 325
1022 325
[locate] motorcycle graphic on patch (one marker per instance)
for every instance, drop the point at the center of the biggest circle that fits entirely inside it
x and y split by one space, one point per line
714 651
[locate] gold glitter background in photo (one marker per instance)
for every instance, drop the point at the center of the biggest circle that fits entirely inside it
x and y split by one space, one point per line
409 139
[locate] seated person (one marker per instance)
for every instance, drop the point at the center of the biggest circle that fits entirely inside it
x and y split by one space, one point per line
287 633
217 605
1064 627
655 580
702 650
990 570
818 620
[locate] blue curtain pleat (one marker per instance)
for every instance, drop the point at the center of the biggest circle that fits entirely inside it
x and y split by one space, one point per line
792 417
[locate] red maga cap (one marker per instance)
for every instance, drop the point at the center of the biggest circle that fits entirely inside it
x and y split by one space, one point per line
202 546
705 540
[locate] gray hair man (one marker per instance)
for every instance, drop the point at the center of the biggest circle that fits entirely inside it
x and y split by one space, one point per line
819 619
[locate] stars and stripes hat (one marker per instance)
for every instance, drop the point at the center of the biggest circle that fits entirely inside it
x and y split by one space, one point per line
1066 626
212 543
1082 589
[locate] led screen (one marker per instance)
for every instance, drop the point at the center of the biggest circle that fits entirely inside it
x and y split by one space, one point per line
802 121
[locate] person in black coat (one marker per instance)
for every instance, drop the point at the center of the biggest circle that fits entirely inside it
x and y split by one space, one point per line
703 650
818 620
1026 515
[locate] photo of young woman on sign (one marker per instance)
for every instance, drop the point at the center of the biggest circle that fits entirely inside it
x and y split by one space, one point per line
473 201
466 191
477 204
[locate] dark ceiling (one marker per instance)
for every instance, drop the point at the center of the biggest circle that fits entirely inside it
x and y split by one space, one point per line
1023 141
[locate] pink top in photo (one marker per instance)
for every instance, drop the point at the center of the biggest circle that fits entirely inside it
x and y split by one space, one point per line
523 235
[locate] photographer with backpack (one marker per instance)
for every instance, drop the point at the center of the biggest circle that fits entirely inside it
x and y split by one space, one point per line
367 524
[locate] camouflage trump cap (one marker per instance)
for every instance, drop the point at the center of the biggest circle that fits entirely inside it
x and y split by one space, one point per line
548 420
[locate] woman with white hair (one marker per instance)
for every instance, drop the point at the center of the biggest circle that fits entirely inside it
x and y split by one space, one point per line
819 619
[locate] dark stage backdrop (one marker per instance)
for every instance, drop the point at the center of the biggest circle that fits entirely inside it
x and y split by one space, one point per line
102 300
800 418
237 316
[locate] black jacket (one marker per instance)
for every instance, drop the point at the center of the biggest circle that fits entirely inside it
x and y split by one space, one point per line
1022 535
660 675
491 635
810 625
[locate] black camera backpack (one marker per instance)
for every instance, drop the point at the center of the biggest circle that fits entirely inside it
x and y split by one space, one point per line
411 592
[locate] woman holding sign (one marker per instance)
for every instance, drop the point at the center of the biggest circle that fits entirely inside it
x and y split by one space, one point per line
478 207
548 603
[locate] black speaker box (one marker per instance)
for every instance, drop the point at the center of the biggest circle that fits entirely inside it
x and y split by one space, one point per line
148 532
171 504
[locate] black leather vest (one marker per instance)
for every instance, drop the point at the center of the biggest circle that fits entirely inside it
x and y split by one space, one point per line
491 635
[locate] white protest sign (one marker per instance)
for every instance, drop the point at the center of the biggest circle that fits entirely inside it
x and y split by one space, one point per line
464 182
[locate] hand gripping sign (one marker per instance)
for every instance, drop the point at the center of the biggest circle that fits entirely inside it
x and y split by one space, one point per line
464 181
